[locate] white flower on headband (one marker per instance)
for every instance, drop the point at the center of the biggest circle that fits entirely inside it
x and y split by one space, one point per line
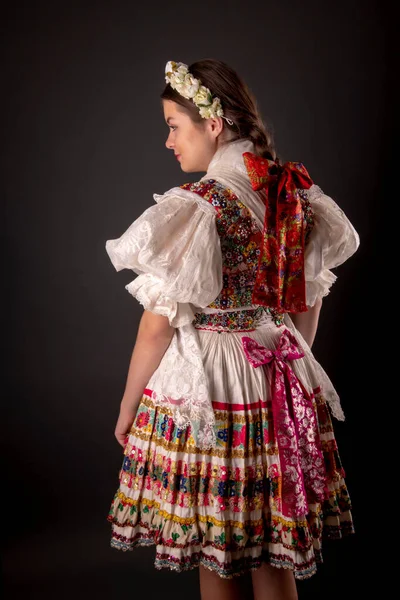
203 96
179 78
211 111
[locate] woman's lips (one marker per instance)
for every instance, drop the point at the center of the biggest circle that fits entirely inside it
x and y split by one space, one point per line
177 156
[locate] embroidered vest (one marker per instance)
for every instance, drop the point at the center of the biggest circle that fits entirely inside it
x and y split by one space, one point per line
240 240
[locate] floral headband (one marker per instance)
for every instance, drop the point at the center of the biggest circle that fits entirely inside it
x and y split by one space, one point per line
179 78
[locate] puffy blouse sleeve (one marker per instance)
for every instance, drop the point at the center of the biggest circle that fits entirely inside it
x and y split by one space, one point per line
174 248
331 242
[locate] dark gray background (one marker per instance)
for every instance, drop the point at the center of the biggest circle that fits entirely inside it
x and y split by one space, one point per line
83 152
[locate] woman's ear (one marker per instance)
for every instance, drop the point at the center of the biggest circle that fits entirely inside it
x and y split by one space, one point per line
215 126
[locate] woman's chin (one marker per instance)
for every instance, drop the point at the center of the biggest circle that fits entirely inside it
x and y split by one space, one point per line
188 169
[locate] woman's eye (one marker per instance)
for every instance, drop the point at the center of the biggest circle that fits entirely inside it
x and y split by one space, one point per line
172 127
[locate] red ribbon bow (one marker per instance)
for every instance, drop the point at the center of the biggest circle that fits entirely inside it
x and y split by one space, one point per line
295 426
280 281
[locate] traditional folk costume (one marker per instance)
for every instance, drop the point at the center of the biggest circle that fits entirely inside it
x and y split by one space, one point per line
232 459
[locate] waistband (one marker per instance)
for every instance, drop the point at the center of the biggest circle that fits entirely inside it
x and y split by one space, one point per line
245 319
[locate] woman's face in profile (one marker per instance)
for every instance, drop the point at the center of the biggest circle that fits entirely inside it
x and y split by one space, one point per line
194 144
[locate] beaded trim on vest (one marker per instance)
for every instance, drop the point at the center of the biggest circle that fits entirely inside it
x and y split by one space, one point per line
235 320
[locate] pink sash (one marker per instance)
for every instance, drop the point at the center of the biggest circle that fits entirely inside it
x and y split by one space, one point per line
295 426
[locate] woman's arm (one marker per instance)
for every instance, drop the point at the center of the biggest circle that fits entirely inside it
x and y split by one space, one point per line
153 338
307 322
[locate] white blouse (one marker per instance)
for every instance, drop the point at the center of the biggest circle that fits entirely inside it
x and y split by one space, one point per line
175 250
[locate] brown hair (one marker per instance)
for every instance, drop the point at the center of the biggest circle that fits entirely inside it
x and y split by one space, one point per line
238 103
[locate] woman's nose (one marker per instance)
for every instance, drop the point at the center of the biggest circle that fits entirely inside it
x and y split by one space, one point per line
169 144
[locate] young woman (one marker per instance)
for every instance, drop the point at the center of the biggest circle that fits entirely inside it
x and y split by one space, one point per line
230 460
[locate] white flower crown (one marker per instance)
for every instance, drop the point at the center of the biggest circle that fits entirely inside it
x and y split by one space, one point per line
179 78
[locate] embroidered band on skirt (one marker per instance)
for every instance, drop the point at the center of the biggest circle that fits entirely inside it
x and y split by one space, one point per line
270 491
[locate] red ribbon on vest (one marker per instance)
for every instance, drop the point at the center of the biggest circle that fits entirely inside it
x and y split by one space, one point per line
280 281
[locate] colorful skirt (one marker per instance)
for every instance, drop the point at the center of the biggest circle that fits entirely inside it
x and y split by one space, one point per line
273 487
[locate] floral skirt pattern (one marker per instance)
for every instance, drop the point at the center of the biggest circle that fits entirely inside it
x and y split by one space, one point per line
222 508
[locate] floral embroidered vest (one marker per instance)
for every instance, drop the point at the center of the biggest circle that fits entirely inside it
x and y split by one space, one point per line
240 240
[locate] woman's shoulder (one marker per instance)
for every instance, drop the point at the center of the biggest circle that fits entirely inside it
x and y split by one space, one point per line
211 190
186 194
330 217
317 198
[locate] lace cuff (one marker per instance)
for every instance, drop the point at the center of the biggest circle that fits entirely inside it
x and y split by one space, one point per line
320 286
148 290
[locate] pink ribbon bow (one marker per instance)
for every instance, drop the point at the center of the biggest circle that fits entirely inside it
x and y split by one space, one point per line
295 426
